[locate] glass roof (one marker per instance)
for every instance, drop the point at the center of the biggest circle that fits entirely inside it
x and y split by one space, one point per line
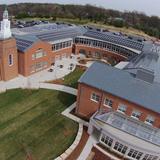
131 126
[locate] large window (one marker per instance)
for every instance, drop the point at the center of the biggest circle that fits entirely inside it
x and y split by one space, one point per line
61 45
136 114
95 97
120 148
10 59
150 157
135 154
122 108
39 53
150 120
38 66
106 140
108 46
108 102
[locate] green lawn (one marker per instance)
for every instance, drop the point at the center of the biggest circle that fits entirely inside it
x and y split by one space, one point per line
31 123
72 79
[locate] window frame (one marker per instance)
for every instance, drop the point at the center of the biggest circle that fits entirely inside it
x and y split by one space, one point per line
150 122
120 110
136 113
110 101
96 95
10 60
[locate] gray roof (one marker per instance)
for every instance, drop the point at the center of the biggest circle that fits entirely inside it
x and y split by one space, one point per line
25 42
122 84
149 60
63 33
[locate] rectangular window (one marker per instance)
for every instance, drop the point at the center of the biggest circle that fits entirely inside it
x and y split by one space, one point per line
150 157
150 120
10 59
122 108
106 140
136 114
108 102
95 97
40 65
39 53
120 148
59 46
135 154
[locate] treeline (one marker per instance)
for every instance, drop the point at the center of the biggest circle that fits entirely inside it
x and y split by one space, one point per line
148 24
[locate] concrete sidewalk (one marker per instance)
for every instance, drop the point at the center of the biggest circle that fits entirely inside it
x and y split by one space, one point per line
73 117
58 87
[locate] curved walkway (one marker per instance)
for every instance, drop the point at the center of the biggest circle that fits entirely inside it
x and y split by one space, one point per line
59 88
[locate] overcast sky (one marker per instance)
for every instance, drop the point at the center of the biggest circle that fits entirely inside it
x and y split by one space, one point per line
150 7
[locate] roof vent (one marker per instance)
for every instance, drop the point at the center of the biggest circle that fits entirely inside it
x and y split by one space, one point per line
145 75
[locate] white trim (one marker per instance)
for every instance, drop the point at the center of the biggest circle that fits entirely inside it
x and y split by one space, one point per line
107 106
94 100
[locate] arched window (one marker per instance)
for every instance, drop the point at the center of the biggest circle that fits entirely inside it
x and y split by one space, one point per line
10 59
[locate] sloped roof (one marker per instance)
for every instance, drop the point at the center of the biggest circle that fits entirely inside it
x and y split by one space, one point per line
122 84
69 32
149 59
25 42
118 39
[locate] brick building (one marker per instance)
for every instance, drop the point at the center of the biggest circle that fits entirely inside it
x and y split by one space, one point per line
123 108
122 105
38 47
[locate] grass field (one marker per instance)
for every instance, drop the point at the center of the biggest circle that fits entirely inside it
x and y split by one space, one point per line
31 123
71 79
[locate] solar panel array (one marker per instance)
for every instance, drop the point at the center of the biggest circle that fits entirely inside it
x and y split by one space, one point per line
70 32
121 40
132 127
22 44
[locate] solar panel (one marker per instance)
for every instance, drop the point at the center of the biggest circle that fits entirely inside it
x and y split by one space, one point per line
107 36
71 32
22 44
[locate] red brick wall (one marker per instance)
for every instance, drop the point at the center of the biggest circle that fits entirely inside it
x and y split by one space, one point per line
86 107
8 47
103 52
25 59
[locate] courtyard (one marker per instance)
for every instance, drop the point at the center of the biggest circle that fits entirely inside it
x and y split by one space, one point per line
31 124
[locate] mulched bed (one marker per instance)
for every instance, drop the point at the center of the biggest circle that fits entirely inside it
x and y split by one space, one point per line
75 154
98 155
